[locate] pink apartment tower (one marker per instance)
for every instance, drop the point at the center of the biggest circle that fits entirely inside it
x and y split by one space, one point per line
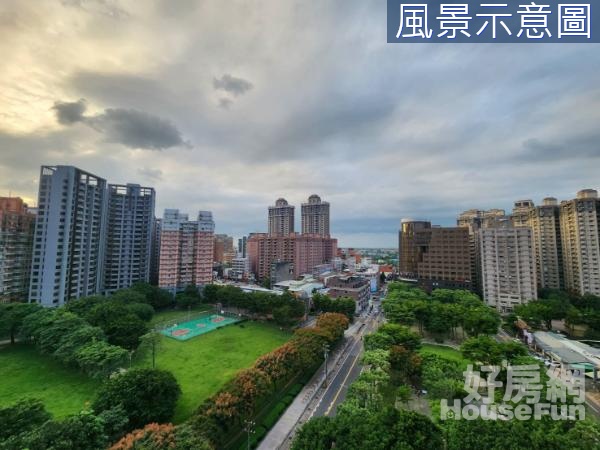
186 250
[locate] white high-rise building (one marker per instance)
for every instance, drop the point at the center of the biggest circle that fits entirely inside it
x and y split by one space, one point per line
508 265
545 226
129 235
68 248
580 234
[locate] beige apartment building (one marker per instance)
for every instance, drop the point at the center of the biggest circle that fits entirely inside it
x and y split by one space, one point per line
520 213
580 236
508 269
544 222
281 218
315 216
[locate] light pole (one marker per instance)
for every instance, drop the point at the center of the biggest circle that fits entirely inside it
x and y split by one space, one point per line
326 355
249 428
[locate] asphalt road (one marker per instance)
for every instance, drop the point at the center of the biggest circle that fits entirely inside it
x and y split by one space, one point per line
349 371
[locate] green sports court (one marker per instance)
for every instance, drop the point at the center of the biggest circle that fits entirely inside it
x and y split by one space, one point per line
202 325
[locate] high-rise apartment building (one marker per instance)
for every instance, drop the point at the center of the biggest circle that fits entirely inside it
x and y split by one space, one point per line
508 268
224 251
544 222
580 236
434 256
242 246
520 213
68 251
155 252
474 220
129 235
315 216
16 237
281 218
186 250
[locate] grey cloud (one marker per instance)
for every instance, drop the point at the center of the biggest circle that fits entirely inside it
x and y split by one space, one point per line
225 103
234 85
586 146
129 127
68 113
107 8
137 129
151 174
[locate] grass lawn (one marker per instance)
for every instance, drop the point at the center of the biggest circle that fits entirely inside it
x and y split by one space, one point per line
204 364
26 373
443 351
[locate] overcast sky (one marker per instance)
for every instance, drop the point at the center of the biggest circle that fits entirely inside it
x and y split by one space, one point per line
227 105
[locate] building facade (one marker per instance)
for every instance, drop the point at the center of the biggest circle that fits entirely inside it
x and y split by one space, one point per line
155 263
520 213
68 252
315 216
186 250
357 288
281 218
224 251
304 252
580 236
17 225
544 222
128 255
508 267
434 256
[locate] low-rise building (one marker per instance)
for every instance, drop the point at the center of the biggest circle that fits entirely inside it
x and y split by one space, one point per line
351 286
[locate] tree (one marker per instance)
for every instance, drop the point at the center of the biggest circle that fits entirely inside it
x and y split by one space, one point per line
401 335
209 293
129 296
72 342
156 297
316 434
334 323
22 417
83 431
12 315
121 327
161 437
377 359
144 311
100 359
249 386
147 395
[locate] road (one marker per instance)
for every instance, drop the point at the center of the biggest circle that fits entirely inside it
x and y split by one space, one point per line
349 371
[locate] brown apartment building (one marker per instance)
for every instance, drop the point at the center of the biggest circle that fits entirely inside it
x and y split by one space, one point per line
435 257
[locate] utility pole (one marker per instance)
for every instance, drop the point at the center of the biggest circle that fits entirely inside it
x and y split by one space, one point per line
249 428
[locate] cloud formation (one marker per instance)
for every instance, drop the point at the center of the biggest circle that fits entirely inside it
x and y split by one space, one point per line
129 127
234 85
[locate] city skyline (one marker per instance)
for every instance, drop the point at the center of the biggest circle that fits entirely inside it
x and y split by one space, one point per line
230 121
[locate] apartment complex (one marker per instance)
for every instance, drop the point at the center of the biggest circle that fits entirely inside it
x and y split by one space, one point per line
544 221
186 250
580 237
474 220
69 238
315 216
16 238
508 268
434 256
129 235
281 218
304 252
155 253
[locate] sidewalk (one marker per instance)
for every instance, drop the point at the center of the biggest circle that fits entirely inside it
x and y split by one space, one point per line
286 423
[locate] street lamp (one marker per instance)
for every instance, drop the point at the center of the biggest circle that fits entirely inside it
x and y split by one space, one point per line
249 428
326 355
